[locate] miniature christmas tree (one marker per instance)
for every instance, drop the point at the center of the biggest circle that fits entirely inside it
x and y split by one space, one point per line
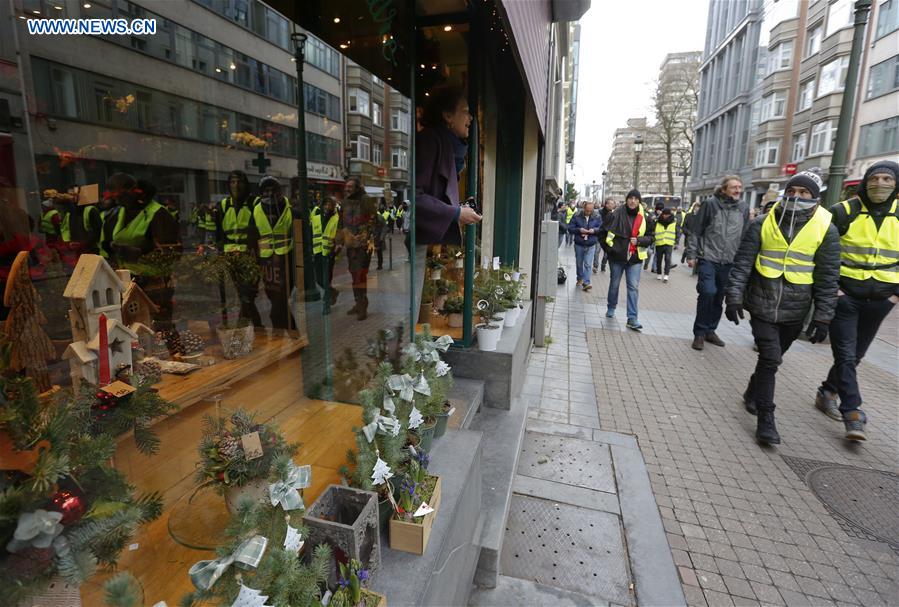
31 348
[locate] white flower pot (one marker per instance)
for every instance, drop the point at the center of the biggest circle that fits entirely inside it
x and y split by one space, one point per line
488 337
516 276
454 320
255 490
436 273
499 317
512 315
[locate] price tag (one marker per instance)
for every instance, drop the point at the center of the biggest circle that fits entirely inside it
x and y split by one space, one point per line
485 262
119 389
496 263
252 446
423 509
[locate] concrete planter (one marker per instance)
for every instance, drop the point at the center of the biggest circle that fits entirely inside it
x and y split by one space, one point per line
347 519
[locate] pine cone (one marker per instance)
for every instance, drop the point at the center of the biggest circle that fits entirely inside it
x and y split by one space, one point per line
191 343
229 447
148 370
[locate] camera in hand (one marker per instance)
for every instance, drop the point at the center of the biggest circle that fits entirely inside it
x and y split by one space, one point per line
473 204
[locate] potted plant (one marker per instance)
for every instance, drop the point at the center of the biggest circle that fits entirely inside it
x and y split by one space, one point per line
241 270
419 494
490 328
429 291
443 288
351 591
230 460
452 309
435 267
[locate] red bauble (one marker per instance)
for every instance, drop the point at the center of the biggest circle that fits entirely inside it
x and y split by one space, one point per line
70 504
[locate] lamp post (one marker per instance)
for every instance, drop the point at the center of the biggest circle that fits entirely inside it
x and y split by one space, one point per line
638 148
593 192
602 195
837 170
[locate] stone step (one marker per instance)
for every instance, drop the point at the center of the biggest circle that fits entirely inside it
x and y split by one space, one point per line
467 396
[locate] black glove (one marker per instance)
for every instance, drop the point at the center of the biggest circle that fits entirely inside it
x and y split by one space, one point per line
817 331
734 313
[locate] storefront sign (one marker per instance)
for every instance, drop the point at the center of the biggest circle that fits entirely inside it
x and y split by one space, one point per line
317 170
790 169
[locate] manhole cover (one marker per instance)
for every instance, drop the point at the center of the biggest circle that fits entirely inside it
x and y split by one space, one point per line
866 498
566 547
566 460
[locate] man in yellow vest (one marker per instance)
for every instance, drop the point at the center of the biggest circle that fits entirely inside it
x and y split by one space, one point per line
238 235
51 221
325 223
665 237
868 224
570 212
273 219
787 260
206 223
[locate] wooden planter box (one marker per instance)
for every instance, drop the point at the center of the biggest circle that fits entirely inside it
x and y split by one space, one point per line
382 600
413 537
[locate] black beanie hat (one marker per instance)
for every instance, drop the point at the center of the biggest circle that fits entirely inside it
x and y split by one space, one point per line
807 180
883 166
634 194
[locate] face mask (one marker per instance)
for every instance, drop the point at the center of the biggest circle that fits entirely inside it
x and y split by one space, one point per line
794 203
879 192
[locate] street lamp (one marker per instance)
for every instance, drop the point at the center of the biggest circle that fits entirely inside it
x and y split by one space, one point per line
602 196
593 191
837 170
638 148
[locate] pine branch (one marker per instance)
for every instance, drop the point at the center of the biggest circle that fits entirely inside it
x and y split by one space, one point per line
123 590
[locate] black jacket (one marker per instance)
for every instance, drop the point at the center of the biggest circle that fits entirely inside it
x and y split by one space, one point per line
870 288
776 299
621 224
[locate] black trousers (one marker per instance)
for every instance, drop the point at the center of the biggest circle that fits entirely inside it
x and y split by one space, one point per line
773 340
663 251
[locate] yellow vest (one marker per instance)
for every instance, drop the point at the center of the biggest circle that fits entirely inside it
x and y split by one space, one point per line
865 251
664 235
277 240
236 226
795 261
323 243
569 214
641 251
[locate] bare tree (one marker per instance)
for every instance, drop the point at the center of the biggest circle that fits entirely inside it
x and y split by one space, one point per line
676 101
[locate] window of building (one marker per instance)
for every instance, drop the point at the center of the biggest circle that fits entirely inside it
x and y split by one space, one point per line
322 149
399 121
359 101
376 81
780 56
766 153
833 76
884 77
879 137
823 135
799 146
773 105
377 155
322 56
322 102
887 18
361 146
813 42
839 15
806 95
376 114
399 158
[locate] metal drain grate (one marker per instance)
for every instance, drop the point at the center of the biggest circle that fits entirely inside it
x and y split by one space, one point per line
566 460
566 547
866 498
862 501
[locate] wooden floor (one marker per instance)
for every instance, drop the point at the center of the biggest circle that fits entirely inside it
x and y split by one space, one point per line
275 393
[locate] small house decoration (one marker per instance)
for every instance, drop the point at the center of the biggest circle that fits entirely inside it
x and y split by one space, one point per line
136 305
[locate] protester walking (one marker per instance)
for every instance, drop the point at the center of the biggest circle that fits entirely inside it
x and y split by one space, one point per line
602 258
665 236
787 260
686 227
714 238
868 224
560 214
570 211
625 237
585 227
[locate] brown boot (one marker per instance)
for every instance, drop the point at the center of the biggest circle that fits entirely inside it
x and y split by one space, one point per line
712 338
698 342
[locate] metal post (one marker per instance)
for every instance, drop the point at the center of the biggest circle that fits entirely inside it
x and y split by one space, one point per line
637 170
299 55
837 170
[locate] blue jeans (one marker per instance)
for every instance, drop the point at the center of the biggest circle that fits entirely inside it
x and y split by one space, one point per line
583 259
710 286
632 279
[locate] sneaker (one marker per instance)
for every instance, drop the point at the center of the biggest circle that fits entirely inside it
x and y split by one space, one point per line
854 421
826 402
766 430
610 313
634 325
579 282
698 342
588 286
714 339
659 277
665 278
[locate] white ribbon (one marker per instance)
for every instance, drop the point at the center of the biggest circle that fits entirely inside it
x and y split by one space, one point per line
386 425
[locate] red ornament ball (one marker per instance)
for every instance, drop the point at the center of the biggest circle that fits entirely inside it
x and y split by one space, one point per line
70 505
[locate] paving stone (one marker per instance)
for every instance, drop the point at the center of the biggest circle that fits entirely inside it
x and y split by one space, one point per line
710 580
687 576
682 558
730 568
718 599
767 594
738 587
755 573
694 596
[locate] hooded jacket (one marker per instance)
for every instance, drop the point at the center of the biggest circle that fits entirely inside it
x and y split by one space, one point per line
870 288
621 223
776 299
716 229
581 221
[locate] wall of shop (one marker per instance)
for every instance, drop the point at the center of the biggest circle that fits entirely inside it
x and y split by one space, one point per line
530 195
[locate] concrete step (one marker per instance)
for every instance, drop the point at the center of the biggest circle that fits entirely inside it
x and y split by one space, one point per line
503 432
467 396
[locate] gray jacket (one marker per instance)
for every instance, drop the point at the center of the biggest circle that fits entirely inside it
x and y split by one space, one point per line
717 229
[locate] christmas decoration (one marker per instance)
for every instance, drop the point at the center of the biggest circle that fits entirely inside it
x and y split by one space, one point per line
31 348
70 504
148 371
381 472
415 419
191 343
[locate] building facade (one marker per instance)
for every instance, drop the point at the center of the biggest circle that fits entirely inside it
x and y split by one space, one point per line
676 101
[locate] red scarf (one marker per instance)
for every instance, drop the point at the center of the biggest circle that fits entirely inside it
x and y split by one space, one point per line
638 221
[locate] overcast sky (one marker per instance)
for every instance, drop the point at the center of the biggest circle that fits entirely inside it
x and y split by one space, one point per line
623 43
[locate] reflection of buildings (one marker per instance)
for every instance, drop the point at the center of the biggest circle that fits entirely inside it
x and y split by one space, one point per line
206 93
772 86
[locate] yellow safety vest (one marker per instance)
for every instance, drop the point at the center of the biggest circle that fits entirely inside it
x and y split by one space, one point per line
236 226
386 215
323 242
795 260
641 251
135 233
277 240
867 252
664 235
206 221
400 212
47 226
569 214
